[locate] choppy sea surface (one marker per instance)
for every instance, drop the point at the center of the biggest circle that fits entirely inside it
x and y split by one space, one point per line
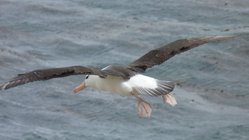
213 90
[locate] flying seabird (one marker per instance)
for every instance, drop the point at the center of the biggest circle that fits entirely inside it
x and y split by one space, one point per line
125 80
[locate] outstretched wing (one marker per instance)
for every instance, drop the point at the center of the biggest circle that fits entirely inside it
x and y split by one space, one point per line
159 55
45 74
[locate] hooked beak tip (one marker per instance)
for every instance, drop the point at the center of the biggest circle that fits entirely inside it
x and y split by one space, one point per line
79 87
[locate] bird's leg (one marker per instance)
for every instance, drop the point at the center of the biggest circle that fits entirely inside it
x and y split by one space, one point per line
144 108
169 99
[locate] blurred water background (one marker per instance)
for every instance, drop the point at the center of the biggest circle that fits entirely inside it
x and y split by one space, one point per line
212 96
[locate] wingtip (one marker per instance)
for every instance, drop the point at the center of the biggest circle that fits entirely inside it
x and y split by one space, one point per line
5 86
218 38
2 86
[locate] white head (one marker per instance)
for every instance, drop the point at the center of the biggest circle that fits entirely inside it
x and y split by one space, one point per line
88 82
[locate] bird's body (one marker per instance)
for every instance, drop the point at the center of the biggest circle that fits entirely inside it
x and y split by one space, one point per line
122 86
113 84
137 84
125 80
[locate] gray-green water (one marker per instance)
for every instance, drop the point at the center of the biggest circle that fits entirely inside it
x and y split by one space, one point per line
213 98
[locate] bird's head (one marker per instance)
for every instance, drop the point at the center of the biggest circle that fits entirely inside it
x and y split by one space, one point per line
87 82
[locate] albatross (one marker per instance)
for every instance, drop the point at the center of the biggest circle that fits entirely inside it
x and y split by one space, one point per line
125 80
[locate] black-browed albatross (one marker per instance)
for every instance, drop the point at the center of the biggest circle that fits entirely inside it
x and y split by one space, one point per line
125 80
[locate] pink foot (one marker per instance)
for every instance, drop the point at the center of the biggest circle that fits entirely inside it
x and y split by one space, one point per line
144 108
169 99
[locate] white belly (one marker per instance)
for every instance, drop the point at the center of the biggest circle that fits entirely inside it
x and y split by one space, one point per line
120 86
111 83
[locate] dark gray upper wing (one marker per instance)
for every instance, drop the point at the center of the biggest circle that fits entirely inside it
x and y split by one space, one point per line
119 70
45 74
159 55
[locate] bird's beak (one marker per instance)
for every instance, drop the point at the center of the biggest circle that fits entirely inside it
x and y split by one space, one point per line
79 87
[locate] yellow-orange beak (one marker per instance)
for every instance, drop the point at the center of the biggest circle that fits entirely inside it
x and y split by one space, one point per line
79 87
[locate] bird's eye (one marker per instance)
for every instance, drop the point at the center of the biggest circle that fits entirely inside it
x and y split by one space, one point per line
87 76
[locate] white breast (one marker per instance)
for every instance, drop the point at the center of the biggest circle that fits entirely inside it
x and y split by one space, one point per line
113 84
120 86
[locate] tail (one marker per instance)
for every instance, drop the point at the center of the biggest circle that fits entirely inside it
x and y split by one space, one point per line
165 86
162 88
169 97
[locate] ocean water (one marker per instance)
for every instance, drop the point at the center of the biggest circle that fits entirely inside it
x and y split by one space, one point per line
213 89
